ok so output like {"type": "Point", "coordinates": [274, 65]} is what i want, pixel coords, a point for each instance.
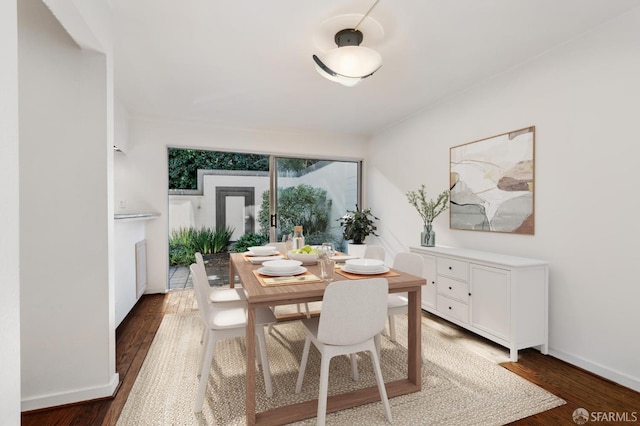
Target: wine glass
{"type": "Point", "coordinates": [328, 250]}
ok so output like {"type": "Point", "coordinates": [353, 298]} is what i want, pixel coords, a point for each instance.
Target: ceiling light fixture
{"type": "Point", "coordinates": [349, 63]}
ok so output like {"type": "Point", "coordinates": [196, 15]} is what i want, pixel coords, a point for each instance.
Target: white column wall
{"type": "Point", "coordinates": [147, 187]}
{"type": "Point", "coordinates": [583, 99]}
{"type": "Point", "coordinates": [67, 330]}
{"type": "Point", "coordinates": [9, 218]}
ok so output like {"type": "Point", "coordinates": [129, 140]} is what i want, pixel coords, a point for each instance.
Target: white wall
{"type": "Point", "coordinates": [147, 184]}
{"type": "Point", "coordinates": [583, 99]}
{"type": "Point", "coordinates": [9, 218]}
{"type": "Point", "coordinates": [67, 330]}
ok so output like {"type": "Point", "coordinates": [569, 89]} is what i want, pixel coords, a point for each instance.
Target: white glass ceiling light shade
{"type": "Point", "coordinates": [349, 63]}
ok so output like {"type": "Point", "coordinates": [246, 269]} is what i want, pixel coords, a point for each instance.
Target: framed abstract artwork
{"type": "Point", "coordinates": [492, 183]}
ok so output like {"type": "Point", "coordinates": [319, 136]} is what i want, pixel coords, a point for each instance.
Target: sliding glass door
{"type": "Point", "coordinates": [312, 193]}
{"type": "Point", "coordinates": [254, 198]}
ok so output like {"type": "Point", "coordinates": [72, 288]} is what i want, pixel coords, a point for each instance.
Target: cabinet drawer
{"type": "Point", "coordinates": [453, 308]}
{"type": "Point", "coordinates": [453, 268]}
{"type": "Point", "coordinates": [454, 289]}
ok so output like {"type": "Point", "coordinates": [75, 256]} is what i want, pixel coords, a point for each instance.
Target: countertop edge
{"type": "Point", "coordinates": [135, 216]}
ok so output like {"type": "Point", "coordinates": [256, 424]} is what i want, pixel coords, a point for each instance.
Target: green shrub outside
{"type": "Point", "coordinates": [185, 242]}
{"type": "Point", "coordinates": [249, 240]}
{"type": "Point", "coordinates": [299, 205]}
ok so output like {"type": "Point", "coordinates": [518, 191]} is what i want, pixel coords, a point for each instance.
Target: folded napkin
{"type": "Point", "coordinates": [305, 278]}
{"type": "Point", "coordinates": [257, 260]}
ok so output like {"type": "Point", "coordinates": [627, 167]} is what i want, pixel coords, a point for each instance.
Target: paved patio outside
{"type": "Point", "coordinates": [217, 272]}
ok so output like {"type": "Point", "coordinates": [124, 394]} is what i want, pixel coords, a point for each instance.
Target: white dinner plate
{"type": "Point", "coordinates": [301, 270]}
{"type": "Point", "coordinates": [382, 270]}
{"type": "Point", "coordinates": [257, 260]}
{"type": "Point", "coordinates": [250, 253]}
{"type": "Point", "coordinates": [365, 264]}
{"type": "Point", "coordinates": [342, 258]}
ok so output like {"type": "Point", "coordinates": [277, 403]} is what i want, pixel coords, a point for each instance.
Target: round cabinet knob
{"type": "Point", "coordinates": [450, 307]}
{"type": "Point", "coordinates": [433, 282]}
{"type": "Point", "coordinates": [450, 267]}
{"type": "Point", "coordinates": [449, 288]}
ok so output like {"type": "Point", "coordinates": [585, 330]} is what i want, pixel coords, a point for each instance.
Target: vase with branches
{"type": "Point", "coordinates": [428, 211]}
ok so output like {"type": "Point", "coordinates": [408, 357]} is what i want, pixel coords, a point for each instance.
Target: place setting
{"type": "Point", "coordinates": [259, 254]}
{"type": "Point", "coordinates": [284, 272]}
{"type": "Point", "coordinates": [363, 268]}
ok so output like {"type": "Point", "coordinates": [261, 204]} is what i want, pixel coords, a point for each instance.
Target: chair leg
{"type": "Point", "coordinates": [266, 371]}
{"type": "Point", "coordinates": [392, 328]}
{"type": "Point", "coordinates": [376, 340]}
{"type": "Point", "coordinates": [204, 371]}
{"type": "Point", "coordinates": [383, 392]}
{"type": "Point", "coordinates": [303, 364]}
{"type": "Point", "coordinates": [203, 350]}
{"type": "Point", "coordinates": [354, 367]}
{"type": "Point", "coordinates": [324, 388]}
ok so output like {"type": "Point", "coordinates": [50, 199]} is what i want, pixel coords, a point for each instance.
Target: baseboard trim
{"type": "Point", "coordinates": [71, 397]}
{"type": "Point", "coordinates": [598, 369]}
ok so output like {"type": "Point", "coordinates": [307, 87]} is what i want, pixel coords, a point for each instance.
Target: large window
{"type": "Point", "coordinates": [260, 194]}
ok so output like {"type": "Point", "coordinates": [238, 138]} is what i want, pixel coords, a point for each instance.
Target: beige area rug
{"type": "Point", "coordinates": [459, 387]}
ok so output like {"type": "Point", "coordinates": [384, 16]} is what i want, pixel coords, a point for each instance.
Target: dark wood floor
{"type": "Point", "coordinates": [579, 388]}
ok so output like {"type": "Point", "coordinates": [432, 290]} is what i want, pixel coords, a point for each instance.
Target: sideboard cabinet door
{"type": "Point", "coordinates": [429, 290]}
{"type": "Point", "coordinates": [490, 300]}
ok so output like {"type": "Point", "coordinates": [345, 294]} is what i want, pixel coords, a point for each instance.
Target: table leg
{"type": "Point", "coordinates": [250, 343]}
{"type": "Point", "coordinates": [415, 337]}
{"type": "Point", "coordinates": [232, 275]}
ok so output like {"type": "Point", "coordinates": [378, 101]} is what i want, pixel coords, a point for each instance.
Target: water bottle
{"type": "Point", "coordinates": [298, 238]}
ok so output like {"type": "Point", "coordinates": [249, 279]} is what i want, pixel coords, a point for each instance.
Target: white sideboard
{"type": "Point", "coordinates": [502, 298]}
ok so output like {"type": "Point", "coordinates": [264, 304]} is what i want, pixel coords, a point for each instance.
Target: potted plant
{"type": "Point", "coordinates": [428, 211]}
{"type": "Point", "coordinates": [357, 225]}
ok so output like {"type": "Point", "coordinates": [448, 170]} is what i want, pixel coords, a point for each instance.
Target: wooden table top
{"type": "Point", "coordinates": [258, 295]}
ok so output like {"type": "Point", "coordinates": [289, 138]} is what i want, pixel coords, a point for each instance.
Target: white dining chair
{"type": "Point", "coordinates": [226, 321]}
{"type": "Point", "coordinates": [227, 296]}
{"type": "Point", "coordinates": [398, 303]}
{"type": "Point", "coordinates": [346, 328]}
{"type": "Point", "coordinates": [374, 252]}
{"type": "Point", "coordinates": [220, 295]}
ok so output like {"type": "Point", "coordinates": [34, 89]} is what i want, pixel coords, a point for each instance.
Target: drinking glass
{"type": "Point", "coordinates": [288, 244]}
{"type": "Point", "coordinates": [328, 269]}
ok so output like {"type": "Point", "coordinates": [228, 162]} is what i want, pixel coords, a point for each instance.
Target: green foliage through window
{"type": "Point", "coordinates": [185, 242]}
{"type": "Point", "coordinates": [184, 164]}
{"type": "Point", "coordinates": [249, 240]}
{"type": "Point", "coordinates": [299, 205]}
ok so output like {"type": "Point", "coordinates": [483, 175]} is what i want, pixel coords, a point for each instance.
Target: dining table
{"type": "Point", "coordinates": [294, 291]}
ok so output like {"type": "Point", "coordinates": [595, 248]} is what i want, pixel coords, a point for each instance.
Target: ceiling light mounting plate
{"type": "Point", "coordinates": [348, 37]}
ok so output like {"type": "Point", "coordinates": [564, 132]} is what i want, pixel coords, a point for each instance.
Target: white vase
{"type": "Point", "coordinates": [356, 250]}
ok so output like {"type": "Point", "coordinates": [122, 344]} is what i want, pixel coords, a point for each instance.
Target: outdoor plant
{"type": "Point", "coordinates": [357, 225]}
{"type": "Point", "coordinates": [428, 210]}
{"type": "Point", "coordinates": [249, 240]}
{"type": "Point", "coordinates": [185, 242]}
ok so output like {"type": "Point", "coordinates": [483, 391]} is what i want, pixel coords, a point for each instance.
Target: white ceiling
{"type": "Point", "coordinates": [247, 63]}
